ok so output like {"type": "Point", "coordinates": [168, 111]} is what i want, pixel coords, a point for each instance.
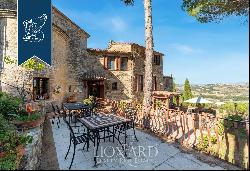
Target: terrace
{"type": "Point", "coordinates": [169, 139]}
{"type": "Point", "coordinates": [162, 155]}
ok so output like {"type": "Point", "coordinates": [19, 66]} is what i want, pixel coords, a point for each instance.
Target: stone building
{"type": "Point", "coordinates": [124, 67]}
{"type": "Point", "coordinates": [76, 71]}
{"type": "Point", "coordinates": [168, 83]}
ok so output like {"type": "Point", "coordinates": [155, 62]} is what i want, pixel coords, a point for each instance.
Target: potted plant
{"type": "Point", "coordinates": [29, 119]}
{"type": "Point", "coordinates": [89, 101]}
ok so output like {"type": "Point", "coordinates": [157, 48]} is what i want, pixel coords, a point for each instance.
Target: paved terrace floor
{"type": "Point", "coordinates": [148, 153]}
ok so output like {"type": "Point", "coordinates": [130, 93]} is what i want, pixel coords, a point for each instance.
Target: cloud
{"type": "Point", "coordinates": [98, 21]}
{"type": "Point", "coordinates": [118, 23]}
{"type": "Point", "coordinates": [184, 49]}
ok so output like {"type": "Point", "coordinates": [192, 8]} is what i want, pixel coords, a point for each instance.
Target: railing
{"type": "Point", "coordinates": [223, 138]}
{"type": "Point", "coordinates": [226, 139]}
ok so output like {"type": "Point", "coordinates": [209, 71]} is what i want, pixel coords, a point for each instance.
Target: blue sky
{"type": "Point", "coordinates": [203, 53]}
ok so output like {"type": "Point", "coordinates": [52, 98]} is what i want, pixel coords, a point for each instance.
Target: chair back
{"type": "Point", "coordinates": [86, 112]}
{"type": "Point", "coordinates": [53, 108]}
{"type": "Point", "coordinates": [58, 109]}
{"type": "Point", "coordinates": [72, 134]}
{"type": "Point", "coordinates": [130, 113]}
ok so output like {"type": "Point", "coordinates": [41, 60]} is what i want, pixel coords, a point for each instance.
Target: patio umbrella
{"type": "Point", "coordinates": [198, 100]}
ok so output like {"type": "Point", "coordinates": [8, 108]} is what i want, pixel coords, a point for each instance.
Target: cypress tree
{"type": "Point", "coordinates": [187, 94]}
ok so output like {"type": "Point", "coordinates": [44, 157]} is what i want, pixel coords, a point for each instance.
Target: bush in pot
{"type": "Point", "coordinates": [28, 120]}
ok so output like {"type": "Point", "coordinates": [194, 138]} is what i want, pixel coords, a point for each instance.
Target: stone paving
{"type": "Point", "coordinates": [149, 153]}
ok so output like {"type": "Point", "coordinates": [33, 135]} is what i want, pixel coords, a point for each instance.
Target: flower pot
{"type": "Point", "coordinates": [29, 124]}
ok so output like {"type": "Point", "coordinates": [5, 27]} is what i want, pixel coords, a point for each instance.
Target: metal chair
{"type": "Point", "coordinates": [130, 113]}
{"type": "Point", "coordinates": [76, 139]}
{"type": "Point", "coordinates": [56, 114]}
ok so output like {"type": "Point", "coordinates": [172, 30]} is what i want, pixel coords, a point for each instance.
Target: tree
{"type": "Point", "coordinates": [187, 94]}
{"type": "Point", "coordinates": [216, 10]}
{"type": "Point", "coordinates": [148, 86]}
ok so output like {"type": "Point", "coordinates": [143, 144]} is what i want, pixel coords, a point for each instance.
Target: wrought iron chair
{"type": "Point", "coordinates": [130, 113]}
{"type": "Point", "coordinates": [86, 112]}
{"type": "Point", "coordinates": [56, 114]}
{"type": "Point", "coordinates": [76, 139]}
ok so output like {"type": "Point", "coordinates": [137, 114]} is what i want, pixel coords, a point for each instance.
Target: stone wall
{"type": "Point", "coordinates": [31, 159]}
{"type": "Point", "coordinates": [59, 75]}
{"type": "Point", "coordinates": [124, 86]}
{"type": "Point", "coordinates": [8, 4]}
{"type": "Point", "coordinates": [138, 66]}
{"type": "Point", "coordinates": [122, 47]}
{"type": "Point", "coordinates": [69, 58]}
{"type": "Point", "coordinates": [122, 78]}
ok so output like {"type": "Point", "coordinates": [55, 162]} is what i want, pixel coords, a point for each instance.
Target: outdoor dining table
{"type": "Point", "coordinates": [99, 122]}
{"type": "Point", "coordinates": [75, 107]}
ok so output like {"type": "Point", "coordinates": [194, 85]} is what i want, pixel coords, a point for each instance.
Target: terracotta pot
{"type": "Point", "coordinates": [30, 124]}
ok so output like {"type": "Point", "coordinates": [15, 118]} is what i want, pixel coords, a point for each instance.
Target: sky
{"type": "Point", "coordinates": [203, 53]}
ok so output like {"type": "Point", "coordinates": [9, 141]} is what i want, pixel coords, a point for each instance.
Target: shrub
{"type": "Point", "coordinates": [122, 105]}
{"type": "Point", "coordinates": [8, 162]}
{"type": "Point", "coordinates": [228, 124]}
{"type": "Point", "coordinates": [8, 105]}
{"type": "Point", "coordinates": [9, 140]}
{"type": "Point", "coordinates": [29, 117]}
{"type": "Point", "coordinates": [241, 108]}
{"type": "Point", "coordinates": [203, 146]}
{"type": "Point", "coordinates": [158, 103]}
